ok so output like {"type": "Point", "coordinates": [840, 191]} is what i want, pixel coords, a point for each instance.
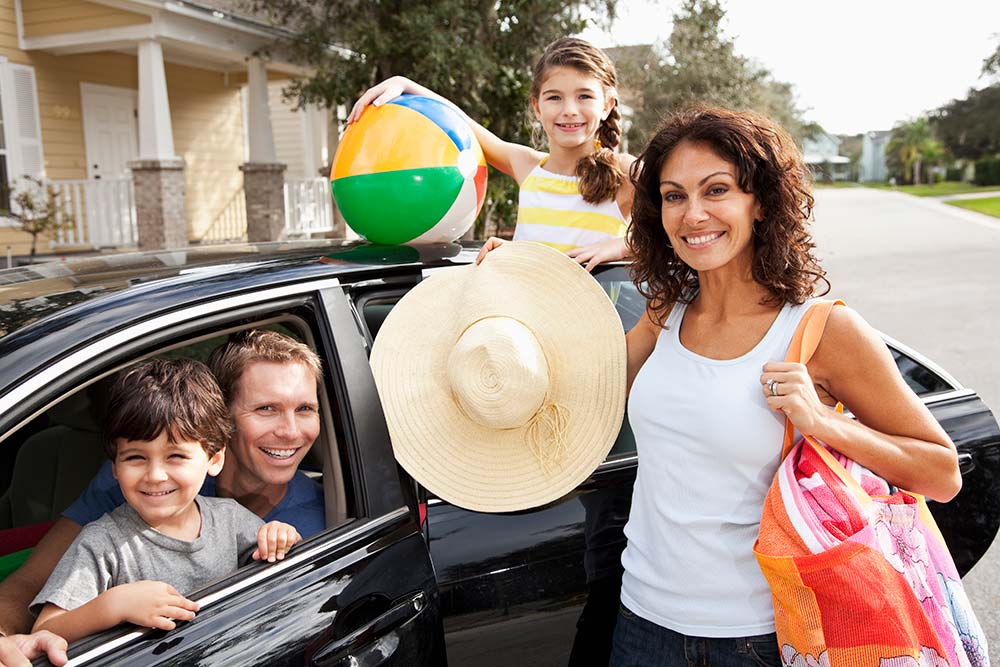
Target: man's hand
{"type": "Point", "coordinates": [19, 650]}
{"type": "Point", "coordinates": [274, 539]}
{"type": "Point", "coordinates": [150, 604]}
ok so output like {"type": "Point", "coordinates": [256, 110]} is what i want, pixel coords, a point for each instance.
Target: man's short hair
{"type": "Point", "coordinates": [176, 396]}
{"type": "Point", "coordinates": [229, 361]}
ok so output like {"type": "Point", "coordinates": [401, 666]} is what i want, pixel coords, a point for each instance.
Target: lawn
{"type": "Point", "coordinates": [936, 190]}
{"type": "Point", "coordinates": [987, 205]}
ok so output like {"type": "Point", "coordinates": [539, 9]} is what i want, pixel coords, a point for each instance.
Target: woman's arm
{"type": "Point", "coordinates": [895, 435]}
{"type": "Point", "coordinates": [639, 343]}
{"type": "Point", "coordinates": [510, 158]}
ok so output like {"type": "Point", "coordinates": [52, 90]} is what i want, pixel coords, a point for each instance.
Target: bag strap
{"type": "Point", "coordinates": [805, 340]}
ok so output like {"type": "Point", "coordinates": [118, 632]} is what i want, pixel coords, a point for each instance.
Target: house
{"type": "Point", "coordinates": [872, 167]}
{"type": "Point", "coordinates": [158, 123]}
{"type": "Point", "coordinates": [821, 153]}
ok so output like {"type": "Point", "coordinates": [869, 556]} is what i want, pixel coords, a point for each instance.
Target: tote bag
{"type": "Point", "coordinates": [859, 573]}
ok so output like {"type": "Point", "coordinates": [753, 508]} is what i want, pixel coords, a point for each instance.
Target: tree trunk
{"type": "Point", "coordinates": [916, 172]}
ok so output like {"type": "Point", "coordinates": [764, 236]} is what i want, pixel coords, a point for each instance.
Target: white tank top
{"type": "Point", "coordinates": [708, 449]}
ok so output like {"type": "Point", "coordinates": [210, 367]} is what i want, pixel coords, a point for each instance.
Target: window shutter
{"type": "Point", "coordinates": [29, 131]}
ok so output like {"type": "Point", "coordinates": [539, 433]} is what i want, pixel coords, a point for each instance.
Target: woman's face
{"type": "Point", "coordinates": [707, 217]}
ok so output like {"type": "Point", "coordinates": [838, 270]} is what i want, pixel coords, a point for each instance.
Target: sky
{"type": "Point", "coordinates": [856, 65]}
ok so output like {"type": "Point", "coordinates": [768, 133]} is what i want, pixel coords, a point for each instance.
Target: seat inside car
{"type": "Point", "coordinates": [55, 465]}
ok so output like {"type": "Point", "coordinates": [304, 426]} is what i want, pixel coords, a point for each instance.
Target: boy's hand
{"type": "Point", "coordinates": [150, 604]}
{"type": "Point", "coordinates": [274, 539]}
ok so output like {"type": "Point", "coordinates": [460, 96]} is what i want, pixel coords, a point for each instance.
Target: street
{"type": "Point", "coordinates": [928, 275]}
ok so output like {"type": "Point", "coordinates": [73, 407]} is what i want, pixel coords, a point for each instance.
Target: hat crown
{"type": "Point", "coordinates": [498, 373]}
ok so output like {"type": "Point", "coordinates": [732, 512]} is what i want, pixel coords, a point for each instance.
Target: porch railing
{"type": "Point", "coordinates": [231, 222]}
{"type": "Point", "coordinates": [308, 206]}
{"type": "Point", "coordinates": [102, 212]}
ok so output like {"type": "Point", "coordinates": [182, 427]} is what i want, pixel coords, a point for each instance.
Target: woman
{"type": "Point", "coordinates": [723, 257]}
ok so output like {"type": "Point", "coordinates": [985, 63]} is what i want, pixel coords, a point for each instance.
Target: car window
{"type": "Point", "coordinates": [48, 462]}
{"type": "Point", "coordinates": [918, 377]}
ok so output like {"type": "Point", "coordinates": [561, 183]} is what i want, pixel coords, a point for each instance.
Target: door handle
{"type": "Point", "coordinates": [966, 463]}
{"type": "Point", "coordinates": [338, 651]}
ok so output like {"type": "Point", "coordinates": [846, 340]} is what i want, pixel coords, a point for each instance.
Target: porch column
{"type": "Point", "coordinates": [263, 175]}
{"type": "Point", "coordinates": [158, 174]}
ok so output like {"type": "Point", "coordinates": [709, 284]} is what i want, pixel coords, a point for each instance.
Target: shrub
{"type": "Point", "coordinates": [988, 171]}
{"type": "Point", "coordinates": [953, 174]}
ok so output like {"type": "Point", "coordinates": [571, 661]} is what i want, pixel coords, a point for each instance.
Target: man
{"type": "Point", "coordinates": [18, 650]}
{"type": "Point", "coordinates": [270, 384]}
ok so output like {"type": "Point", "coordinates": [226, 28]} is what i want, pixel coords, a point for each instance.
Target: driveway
{"type": "Point", "coordinates": [927, 274]}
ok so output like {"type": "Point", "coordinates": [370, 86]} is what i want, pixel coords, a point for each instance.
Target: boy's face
{"type": "Point", "coordinates": [160, 479]}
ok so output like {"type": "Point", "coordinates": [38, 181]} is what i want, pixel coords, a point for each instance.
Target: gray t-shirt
{"type": "Point", "coordinates": [121, 548]}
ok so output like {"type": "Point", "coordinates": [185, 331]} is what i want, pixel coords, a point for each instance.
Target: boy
{"type": "Point", "coordinates": [166, 429]}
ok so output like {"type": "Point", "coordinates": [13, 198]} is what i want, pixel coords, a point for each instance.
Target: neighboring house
{"type": "Point", "coordinates": [150, 116]}
{"type": "Point", "coordinates": [872, 167]}
{"type": "Point", "coordinates": [821, 153]}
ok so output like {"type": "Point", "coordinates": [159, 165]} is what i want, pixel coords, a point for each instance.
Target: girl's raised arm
{"type": "Point", "coordinates": [512, 159]}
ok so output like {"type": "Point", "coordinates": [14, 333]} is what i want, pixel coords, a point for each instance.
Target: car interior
{"type": "Point", "coordinates": [48, 462]}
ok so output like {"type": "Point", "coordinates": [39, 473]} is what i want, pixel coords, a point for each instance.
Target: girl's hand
{"type": "Point", "coordinates": [795, 395]}
{"type": "Point", "coordinates": [381, 93]}
{"type": "Point", "coordinates": [274, 539]}
{"type": "Point", "coordinates": [149, 604]}
{"type": "Point", "coordinates": [611, 250]}
{"type": "Point", "coordinates": [492, 243]}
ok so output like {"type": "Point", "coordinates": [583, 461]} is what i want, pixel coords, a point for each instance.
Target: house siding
{"type": "Point", "coordinates": [208, 133]}
{"type": "Point", "coordinates": [52, 17]}
{"type": "Point", "coordinates": [205, 112]}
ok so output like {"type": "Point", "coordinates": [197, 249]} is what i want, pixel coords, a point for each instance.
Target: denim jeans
{"type": "Point", "coordinates": [641, 643]}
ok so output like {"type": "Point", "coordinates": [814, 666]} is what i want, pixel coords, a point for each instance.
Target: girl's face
{"type": "Point", "coordinates": [707, 217]}
{"type": "Point", "coordinates": [571, 106]}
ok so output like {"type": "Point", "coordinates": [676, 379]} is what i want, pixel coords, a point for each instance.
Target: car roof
{"type": "Point", "coordinates": [78, 297]}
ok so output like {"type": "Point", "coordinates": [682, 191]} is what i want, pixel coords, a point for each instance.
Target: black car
{"type": "Point", "coordinates": [398, 577]}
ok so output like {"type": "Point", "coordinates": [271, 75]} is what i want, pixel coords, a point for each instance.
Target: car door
{"type": "Point", "coordinates": [362, 592]}
{"type": "Point", "coordinates": [539, 587]}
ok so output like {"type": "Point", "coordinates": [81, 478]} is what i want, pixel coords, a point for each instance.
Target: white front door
{"type": "Point", "coordinates": [110, 129]}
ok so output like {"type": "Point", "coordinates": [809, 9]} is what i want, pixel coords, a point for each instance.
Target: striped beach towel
{"type": "Point", "coordinates": [860, 575]}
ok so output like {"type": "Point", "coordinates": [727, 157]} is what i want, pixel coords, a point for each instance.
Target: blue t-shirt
{"type": "Point", "coordinates": [301, 507]}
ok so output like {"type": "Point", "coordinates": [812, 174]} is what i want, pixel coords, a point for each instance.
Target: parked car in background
{"type": "Point", "coordinates": [398, 577]}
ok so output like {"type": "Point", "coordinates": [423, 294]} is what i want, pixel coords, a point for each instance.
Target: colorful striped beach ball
{"type": "Point", "coordinates": [409, 171]}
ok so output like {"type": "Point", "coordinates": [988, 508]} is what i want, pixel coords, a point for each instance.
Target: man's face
{"type": "Point", "coordinates": [276, 413]}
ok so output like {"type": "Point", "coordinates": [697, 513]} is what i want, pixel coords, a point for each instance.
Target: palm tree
{"type": "Point", "coordinates": [912, 146]}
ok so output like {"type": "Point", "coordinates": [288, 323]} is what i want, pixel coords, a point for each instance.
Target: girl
{"type": "Point", "coordinates": [577, 198]}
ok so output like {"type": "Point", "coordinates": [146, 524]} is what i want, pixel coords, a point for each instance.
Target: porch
{"type": "Point", "coordinates": [101, 213]}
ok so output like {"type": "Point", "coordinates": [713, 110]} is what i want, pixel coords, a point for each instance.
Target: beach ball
{"type": "Point", "coordinates": [409, 171]}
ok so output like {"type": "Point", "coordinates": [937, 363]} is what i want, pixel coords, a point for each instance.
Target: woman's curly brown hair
{"type": "Point", "coordinates": [768, 165]}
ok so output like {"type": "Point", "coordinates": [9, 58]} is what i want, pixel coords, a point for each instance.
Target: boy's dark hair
{"type": "Point", "coordinates": [176, 396]}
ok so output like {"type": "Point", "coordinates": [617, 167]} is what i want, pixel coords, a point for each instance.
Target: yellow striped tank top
{"type": "Point", "coordinates": [552, 211]}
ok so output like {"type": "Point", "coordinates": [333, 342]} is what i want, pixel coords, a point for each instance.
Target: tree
{"type": "Point", "coordinates": [698, 63]}
{"type": "Point", "coordinates": [970, 127]}
{"type": "Point", "coordinates": [36, 210]}
{"type": "Point", "coordinates": [477, 54]}
{"type": "Point", "coordinates": [912, 147]}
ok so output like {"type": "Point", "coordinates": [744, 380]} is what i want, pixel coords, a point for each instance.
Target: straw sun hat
{"type": "Point", "coordinates": [503, 384]}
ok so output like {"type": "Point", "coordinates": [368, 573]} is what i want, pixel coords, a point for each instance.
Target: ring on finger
{"type": "Point", "coordinates": [772, 386]}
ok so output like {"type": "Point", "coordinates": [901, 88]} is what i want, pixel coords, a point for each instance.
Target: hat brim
{"type": "Point", "coordinates": [580, 333]}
